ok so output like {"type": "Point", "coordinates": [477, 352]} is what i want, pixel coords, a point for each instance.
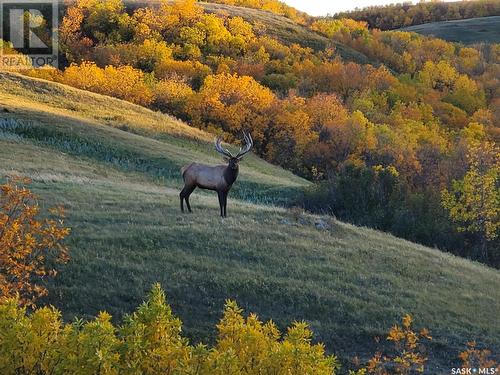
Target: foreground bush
{"type": "Point", "coordinates": [149, 341]}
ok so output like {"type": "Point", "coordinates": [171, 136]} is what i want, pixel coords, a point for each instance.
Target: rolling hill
{"type": "Point", "coordinates": [115, 167]}
{"type": "Point", "coordinates": [469, 31]}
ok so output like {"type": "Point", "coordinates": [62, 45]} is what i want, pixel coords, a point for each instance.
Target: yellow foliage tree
{"type": "Point", "coordinates": [439, 76]}
{"type": "Point", "coordinates": [290, 132]}
{"type": "Point", "coordinates": [233, 103]}
{"type": "Point", "coordinates": [172, 96]}
{"type": "Point", "coordinates": [249, 346]}
{"type": "Point", "coordinates": [326, 110]}
{"type": "Point", "coordinates": [474, 201]}
{"type": "Point", "coordinates": [193, 72]}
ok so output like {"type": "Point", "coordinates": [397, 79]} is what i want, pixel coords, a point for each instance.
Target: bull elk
{"type": "Point", "coordinates": [219, 178]}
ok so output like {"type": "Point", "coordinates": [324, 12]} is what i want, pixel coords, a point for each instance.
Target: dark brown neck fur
{"type": "Point", "coordinates": [230, 175]}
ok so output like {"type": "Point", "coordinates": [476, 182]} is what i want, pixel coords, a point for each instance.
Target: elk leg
{"type": "Point", "coordinates": [184, 195]}
{"type": "Point", "coordinates": [181, 196]}
{"type": "Point", "coordinates": [188, 193]}
{"type": "Point", "coordinates": [225, 204]}
{"type": "Point", "coordinates": [220, 194]}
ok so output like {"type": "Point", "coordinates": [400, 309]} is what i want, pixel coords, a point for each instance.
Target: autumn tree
{"type": "Point", "coordinates": [104, 21]}
{"type": "Point", "coordinates": [232, 104]}
{"type": "Point", "coordinates": [326, 110]}
{"type": "Point", "coordinates": [351, 139]}
{"type": "Point", "coordinates": [90, 22]}
{"type": "Point", "coordinates": [29, 244]}
{"type": "Point", "coordinates": [173, 96]}
{"type": "Point", "coordinates": [474, 201]}
{"type": "Point", "coordinates": [75, 46]}
{"type": "Point", "coordinates": [440, 76]}
{"type": "Point", "coordinates": [290, 133]}
{"type": "Point", "coordinates": [466, 95]}
{"type": "Point", "coordinates": [327, 113]}
{"type": "Point", "coordinates": [193, 72]}
{"type": "Point", "coordinates": [152, 339]}
{"type": "Point", "coordinates": [335, 77]}
{"type": "Point", "coordinates": [145, 56]}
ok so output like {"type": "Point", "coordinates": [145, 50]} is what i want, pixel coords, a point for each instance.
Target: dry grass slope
{"type": "Point", "coordinates": [469, 31]}
{"type": "Point", "coordinates": [114, 166]}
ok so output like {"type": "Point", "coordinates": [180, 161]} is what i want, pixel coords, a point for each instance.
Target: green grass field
{"type": "Point", "coordinates": [115, 166]}
{"type": "Point", "coordinates": [469, 31]}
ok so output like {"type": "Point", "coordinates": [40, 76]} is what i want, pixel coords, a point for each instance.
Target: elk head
{"type": "Point", "coordinates": [228, 157]}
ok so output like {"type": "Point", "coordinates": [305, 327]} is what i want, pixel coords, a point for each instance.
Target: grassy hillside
{"type": "Point", "coordinates": [474, 30]}
{"type": "Point", "coordinates": [115, 165]}
{"type": "Point", "coordinates": [128, 137]}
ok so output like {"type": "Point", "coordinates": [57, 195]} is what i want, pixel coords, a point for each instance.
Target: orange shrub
{"type": "Point", "coordinates": [47, 73]}
{"type": "Point", "coordinates": [27, 242]}
{"type": "Point", "coordinates": [409, 357]}
{"type": "Point", "coordinates": [473, 357]}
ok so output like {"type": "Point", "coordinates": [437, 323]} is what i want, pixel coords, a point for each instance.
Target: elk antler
{"type": "Point", "coordinates": [220, 149]}
{"type": "Point", "coordinates": [248, 146]}
{"type": "Point", "coordinates": [243, 150]}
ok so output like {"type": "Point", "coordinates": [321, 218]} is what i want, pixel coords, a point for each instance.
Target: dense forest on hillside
{"type": "Point", "coordinates": [394, 16]}
{"type": "Point", "coordinates": [405, 144]}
